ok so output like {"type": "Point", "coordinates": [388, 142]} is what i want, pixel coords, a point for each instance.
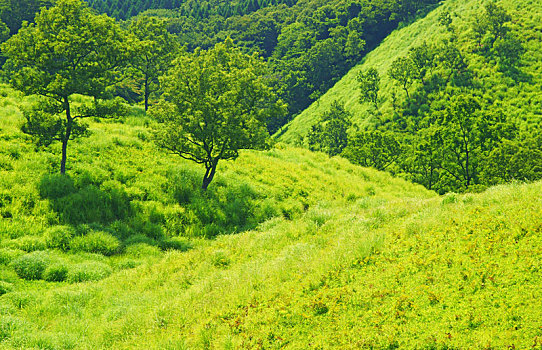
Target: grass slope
{"type": "Point", "coordinates": [348, 258]}
{"type": "Point", "coordinates": [522, 100]}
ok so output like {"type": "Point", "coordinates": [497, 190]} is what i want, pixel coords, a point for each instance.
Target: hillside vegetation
{"type": "Point", "coordinates": [335, 256]}
{"type": "Point", "coordinates": [451, 102]}
{"type": "Point", "coordinates": [115, 242]}
{"type": "Point", "coordinates": [521, 99]}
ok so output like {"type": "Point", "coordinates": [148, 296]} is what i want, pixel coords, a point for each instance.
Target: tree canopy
{"type": "Point", "coordinates": [69, 50]}
{"type": "Point", "coordinates": [216, 102]}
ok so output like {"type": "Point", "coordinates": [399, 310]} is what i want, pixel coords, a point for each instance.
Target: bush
{"type": "Point", "coordinates": [7, 255]}
{"type": "Point", "coordinates": [28, 243]}
{"type": "Point", "coordinates": [5, 287]}
{"type": "Point", "coordinates": [59, 237]}
{"type": "Point", "coordinates": [88, 271]}
{"type": "Point", "coordinates": [98, 242]}
{"type": "Point", "coordinates": [55, 273]}
{"type": "Point", "coordinates": [31, 266]}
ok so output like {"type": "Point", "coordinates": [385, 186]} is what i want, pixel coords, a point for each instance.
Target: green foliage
{"type": "Point", "coordinates": [96, 242]}
{"type": "Point", "coordinates": [69, 50]}
{"type": "Point", "coordinates": [216, 103]}
{"type": "Point", "coordinates": [89, 271]}
{"type": "Point", "coordinates": [330, 135]}
{"type": "Point", "coordinates": [31, 266]}
{"type": "Point", "coordinates": [56, 272]}
{"type": "Point", "coordinates": [369, 85]}
{"type": "Point", "coordinates": [154, 52]}
{"type": "Point", "coordinates": [373, 149]}
{"type": "Point", "coordinates": [27, 243]}
{"type": "Point", "coordinates": [59, 237]}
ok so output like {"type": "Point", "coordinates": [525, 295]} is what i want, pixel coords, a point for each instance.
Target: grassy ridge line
{"type": "Point", "coordinates": [459, 272]}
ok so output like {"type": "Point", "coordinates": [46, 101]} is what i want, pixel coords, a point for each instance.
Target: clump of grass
{"type": "Point", "coordinates": [56, 272]}
{"type": "Point", "coordinates": [88, 271]}
{"type": "Point", "coordinates": [98, 242]}
{"type": "Point", "coordinates": [28, 243]}
{"type": "Point", "coordinates": [32, 265]}
{"type": "Point", "coordinates": [59, 237]}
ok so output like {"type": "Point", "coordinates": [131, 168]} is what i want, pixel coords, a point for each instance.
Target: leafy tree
{"type": "Point", "coordinates": [373, 149]}
{"type": "Point", "coordinates": [369, 81]}
{"type": "Point", "coordinates": [216, 103]}
{"type": "Point", "coordinates": [69, 50]}
{"type": "Point", "coordinates": [154, 52]}
{"type": "Point", "coordinates": [331, 134]}
{"type": "Point", "coordinates": [403, 71]}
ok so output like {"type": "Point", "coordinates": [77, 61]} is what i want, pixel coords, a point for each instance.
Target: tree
{"type": "Point", "coordinates": [369, 82]}
{"type": "Point", "coordinates": [330, 135]}
{"type": "Point", "coordinates": [216, 103]}
{"type": "Point", "coordinates": [402, 70]}
{"type": "Point", "coordinates": [373, 149]}
{"type": "Point", "coordinates": [154, 52]}
{"type": "Point", "coordinates": [68, 51]}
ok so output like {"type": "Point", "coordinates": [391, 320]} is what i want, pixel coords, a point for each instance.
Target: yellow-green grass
{"type": "Point", "coordinates": [521, 100]}
{"type": "Point", "coordinates": [461, 271]}
{"type": "Point", "coordinates": [353, 258]}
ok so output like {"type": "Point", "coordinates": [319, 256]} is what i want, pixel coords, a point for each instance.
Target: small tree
{"type": "Point", "coordinates": [216, 103]}
{"type": "Point", "coordinates": [330, 135]}
{"type": "Point", "coordinates": [69, 50]}
{"type": "Point", "coordinates": [403, 71]}
{"type": "Point", "coordinates": [373, 149]}
{"type": "Point", "coordinates": [369, 83]}
{"type": "Point", "coordinates": [155, 50]}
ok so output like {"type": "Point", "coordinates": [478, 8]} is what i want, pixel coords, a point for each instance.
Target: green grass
{"type": "Point", "coordinates": [288, 249]}
{"type": "Point", "coordinates": [521, 101]}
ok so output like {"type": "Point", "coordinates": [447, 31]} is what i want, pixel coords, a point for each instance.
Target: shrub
{"type": "Point", "coordinates": [55, 273]}
{"type": "Point", "coordinates": [7, 255]}
{"type": "Point", "coordinates": [31, 266]}
{"type": "Point", "coordinates": [28, 243]}
{"type": "Point", "coordinates": [59, 237]}
{"type": "Point", "coordinates": [96, 242]}
{"type": "Point", "coordinates": [88, 271]}
{"type": "Point", "coordinates": [5, 287]}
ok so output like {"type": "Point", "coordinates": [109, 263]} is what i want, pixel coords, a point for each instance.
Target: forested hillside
{"type": "Point", "coordinates": [308, 44]}
{"type": "Point", "coordinates": [451, 102]}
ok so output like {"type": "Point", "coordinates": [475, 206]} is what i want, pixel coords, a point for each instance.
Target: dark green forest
{"type": "Point", "coordinates": [308, 44]}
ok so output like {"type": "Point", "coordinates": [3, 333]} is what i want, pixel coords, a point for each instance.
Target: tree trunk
{"type": "Point", "coordinates": [209, 174]}
{"type": "Point", "coordinates": [146, 92]}
{"type": "Point", "coordinates": [66, 137]}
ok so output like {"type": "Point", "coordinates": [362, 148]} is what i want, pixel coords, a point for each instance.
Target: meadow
{"type": "Point", "coordinates": [311, 252]}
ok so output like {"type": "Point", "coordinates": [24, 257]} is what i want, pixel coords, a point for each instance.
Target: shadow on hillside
{"type": "Point", "coordinates": [226, 207]}
{"type": "Point", "coordinates": [89, 206]}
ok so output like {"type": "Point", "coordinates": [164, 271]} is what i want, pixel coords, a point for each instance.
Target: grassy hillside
{"type": "Point", "coordinates": [331, 255]}
{"type": "Point", "coordinates": [521, 101]}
